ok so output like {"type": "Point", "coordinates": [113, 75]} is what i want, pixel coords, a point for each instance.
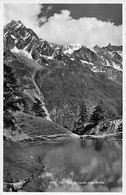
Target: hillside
{"type": "Point", "coordinates": [64, 77]}
{"type": "Point", "coordinates": [34, 128]}
{"type": "Point", "coordinates": [65, 88]}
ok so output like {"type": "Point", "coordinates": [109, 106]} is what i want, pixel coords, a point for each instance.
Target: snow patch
{"type": "Point", "coordinates": [19, 24]}
{"type": "Point", "coordinates": [84, 61]}
{"type": "Point", "coordinates": [27, 35]}
{"type": "Point", "coordinates": [107, 63]}
{"type": "Point", "coordinates": [13, 36]}
{"type": "Point", "coordinates": [71, 48]}
{"type": "Point", "coordinates": [93, 50]}
{"type": "Point", "coordinates": [112, 54]}
{"type": "Point", "coordinates": [5, 33]}
{"type": "Point", "coordinates": [91, 63]}
{"type": "Point", "coordinates": [47, 57]}
{"type": "Point", "coordinates": [50, 57]}
{"type": "Point", "coordinates": [116, 66]}
{"type": "Point", "coordinates": [22, 51]}
{"type": "Point", "coordinates": [95, 69]}
{"type": "Point", "coordinates": [120, 53]}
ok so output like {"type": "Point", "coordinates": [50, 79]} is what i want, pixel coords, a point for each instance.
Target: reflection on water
{"type": "Point", "coordinates": [97, 143]}
{"type": "Point", "coordinates": [83, 165]}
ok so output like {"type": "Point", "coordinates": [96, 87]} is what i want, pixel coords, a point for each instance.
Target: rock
{"type": "Point", "coordinates": [15, 187]}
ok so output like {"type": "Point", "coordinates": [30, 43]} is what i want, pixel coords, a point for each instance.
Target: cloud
{"type": "Point", "coordinates": [63, 29]}
{"type": "Point", "coordinates": [26, 13]}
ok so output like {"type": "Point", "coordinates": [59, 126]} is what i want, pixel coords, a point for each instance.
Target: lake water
{"type": "Point", "coordinates": [80, 165]}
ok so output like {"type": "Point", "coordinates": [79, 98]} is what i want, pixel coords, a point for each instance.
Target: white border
{"type": "Point", "coordinates": [63, 1]}
{"type": "Point", "coordinates": [124, 82]}
{"type": "Point", "coordinates": [1, 97]}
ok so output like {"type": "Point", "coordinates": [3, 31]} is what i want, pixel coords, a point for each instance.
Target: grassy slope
{"type": "Point", "coordinates": [36, 126]}
{"type": "Point", "coordinates": [24, 69]}
{"type": "Point", "coordinates": [65, 87]}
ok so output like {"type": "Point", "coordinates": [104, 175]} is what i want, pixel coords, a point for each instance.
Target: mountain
{"type": "Point", "coordinates": [62, 77]}
{"type": "Point", "coordinates": [19, 38]}
{"type": "Point", "coordinates": [62, 114]}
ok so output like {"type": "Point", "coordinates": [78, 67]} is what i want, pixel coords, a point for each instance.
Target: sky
{"type": "Point", "coordinates": [88, 24]}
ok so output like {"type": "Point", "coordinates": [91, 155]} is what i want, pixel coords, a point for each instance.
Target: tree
{"type": "Point", "coordinates": [79, 125]}
{"type": "Point", "coordinates": [37, 108]}
{"type": "Point", "coordinates": [97, 115]}
{"type": "Point", "coordinates": [12, 97]}
{"type": "Point", "coordinates": [83, 113]}
{"type": "Point", "coordinates": [25, 104]}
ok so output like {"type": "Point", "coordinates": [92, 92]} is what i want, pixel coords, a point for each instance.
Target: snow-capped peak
{"type": "Point", "coordinates": [69, 49]}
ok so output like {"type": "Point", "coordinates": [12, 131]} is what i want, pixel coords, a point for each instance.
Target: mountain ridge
{"type": "Point", "coordinates": [30, 42]}
{"type": "Point", "coordinates": [67, 75]}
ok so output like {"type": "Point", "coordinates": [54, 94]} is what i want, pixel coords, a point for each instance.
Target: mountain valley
{"type": "Point", "coordinates": [62, 114]}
